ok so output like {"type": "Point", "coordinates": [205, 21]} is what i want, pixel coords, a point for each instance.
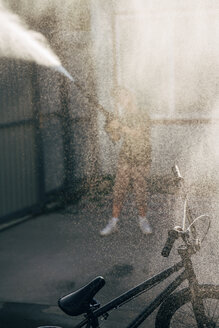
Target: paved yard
{"type": "Point", "coordinates": [51, 255]}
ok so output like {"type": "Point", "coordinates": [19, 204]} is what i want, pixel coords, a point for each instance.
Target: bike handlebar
{"type": "Point", "coordinates": [179, 231]}
{"type": "Point", "coordinates": [172, 236]}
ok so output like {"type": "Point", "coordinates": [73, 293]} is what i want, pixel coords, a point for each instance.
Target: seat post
{"type": "Point", "coordinates": [93, 321]}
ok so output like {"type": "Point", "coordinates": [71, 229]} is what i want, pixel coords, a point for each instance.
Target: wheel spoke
{"type": "Point", "coordinates": [184, 317]}
{"type": "Point", "coordinates": [215, 312]}
{"type": "Point", "coordinates": [207, 307]}
{"type": "Point", "coordinates": [187, 314]}
{"type": "Point", "coordinates": [183, 314]}
{"type": "Point", "coordinates": [183, 324]}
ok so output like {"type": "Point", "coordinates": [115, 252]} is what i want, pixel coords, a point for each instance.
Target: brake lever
{"type": "Point", "coordinates": [197, 244]}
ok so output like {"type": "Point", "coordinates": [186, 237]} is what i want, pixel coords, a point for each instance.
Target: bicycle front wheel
{"type": "Point", "coordinates": [177, 310]}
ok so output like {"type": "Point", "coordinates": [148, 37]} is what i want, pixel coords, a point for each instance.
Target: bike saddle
{"type": "Point", "coordinates": [79, 302]}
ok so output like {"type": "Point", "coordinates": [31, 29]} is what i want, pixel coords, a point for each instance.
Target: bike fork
{"type": "Point", "coordinates": [197, 303]}
{"type": "Point", "coordinates": [198, 309]}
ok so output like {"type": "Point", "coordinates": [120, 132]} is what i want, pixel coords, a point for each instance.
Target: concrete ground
{"type": "Point", "coordinates": [51, 255]}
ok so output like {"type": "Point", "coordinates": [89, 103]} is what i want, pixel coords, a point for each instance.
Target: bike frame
{"type": "Point", "coordinates": [185, 253]}
{"type": "Point", "coordinates": [188, 273]}
{"type": "Point", "coordinates": [92, 318]}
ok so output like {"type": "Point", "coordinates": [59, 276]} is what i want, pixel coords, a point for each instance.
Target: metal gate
{"type": "Point", "coordinates": [33, 147]}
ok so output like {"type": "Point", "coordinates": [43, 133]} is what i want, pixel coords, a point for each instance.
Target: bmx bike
{"type": "Point", "coordinates": [194, 306]}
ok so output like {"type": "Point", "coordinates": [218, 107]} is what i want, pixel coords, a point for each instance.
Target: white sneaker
{"type": "Point", "coordinates": [145, 225]}
{"type": "Point", "coordinates": [110, 227]}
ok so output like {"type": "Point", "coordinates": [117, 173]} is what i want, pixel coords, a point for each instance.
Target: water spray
{"type": "Point", "coordinates": [63, 71]}
{"type": "Point", "coordinates": [19, 42]}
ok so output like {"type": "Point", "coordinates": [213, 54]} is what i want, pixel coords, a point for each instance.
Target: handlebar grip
{"type": "Point", "coordinates": [172, 236]}
{"type": "Point", "coordinates": [176, 172]}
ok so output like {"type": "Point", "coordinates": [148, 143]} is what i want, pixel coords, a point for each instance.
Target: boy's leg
{"type": "Point", "coordinates": [120, 188]}
{"type": "Point", "coordinates": [139, 174]}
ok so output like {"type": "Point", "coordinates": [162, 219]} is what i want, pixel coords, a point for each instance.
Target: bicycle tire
{"type": "Point", "coordinates": [171, 309]}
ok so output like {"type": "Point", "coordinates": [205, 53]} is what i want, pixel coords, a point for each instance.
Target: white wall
{"type": "Point", "coordinates": [170, 59]}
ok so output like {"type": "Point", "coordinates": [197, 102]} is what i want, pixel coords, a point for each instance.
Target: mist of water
{"type": "Point", "coordinates": [19, 42]}
{"type": "Point", "coordinates": [168, 53]}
